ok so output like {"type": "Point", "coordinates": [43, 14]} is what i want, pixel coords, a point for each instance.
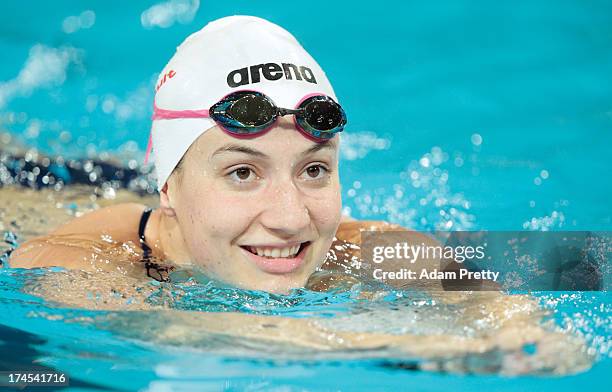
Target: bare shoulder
{"type": "Point", "coordinates": [350, 231]}
{"type": "Point", "coordinates": [119, 222]}
{"type": "Point", "coordinates": [346, 249]}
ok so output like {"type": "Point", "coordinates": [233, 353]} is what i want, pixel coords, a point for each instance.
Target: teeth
{"type": "Point", "coordinates": [276, 252]}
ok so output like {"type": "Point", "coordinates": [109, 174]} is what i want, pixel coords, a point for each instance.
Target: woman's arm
{"type": "Point", "coordinates": [350, 232]}
{"type": "Point", "coordinates": [72, 245]}
{"type": "Point", "coordinates": [500, 351]}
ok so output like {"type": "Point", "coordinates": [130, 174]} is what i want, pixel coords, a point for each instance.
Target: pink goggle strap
{"type": "Point", "coordinates": [164, 114]}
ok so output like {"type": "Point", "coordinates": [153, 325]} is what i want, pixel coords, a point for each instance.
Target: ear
{"type": "Point", "coordinates": [165, 202]}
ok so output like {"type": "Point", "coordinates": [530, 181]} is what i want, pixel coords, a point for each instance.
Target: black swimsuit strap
{"type": "Point", "coordinates": [146, 214]}
{"type": "Point", "coordinates": [146, 251]}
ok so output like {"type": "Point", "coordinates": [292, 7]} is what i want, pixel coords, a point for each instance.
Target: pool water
{"type": "Point", "coordinates": [147, 350]}
{"type": "Point", "coordinates": [463, 115]}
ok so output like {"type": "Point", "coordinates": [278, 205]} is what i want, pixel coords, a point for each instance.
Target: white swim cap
{"type": "Point", "coordinates": [229, 54]}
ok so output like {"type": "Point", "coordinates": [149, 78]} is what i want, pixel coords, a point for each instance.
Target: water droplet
{"type": "Point", "coordinates": [476, 139]}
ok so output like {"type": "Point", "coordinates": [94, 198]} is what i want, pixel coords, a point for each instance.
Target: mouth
{"type": "Point", "coordinates": [277, 260]}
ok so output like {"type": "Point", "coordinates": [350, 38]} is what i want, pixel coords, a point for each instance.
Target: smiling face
{"type": "Point", "coordinates": [258, 213]}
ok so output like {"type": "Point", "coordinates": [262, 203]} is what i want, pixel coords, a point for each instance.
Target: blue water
{"type": "Point", "coordinates": [112, 349]}
{"type": "Point", "coordinates": [495, 116]}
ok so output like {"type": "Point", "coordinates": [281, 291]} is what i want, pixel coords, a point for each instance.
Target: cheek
{"type": "Point", "coordinates": [326, 211]}
{"type": "Point", "coordinates": [211, 216]}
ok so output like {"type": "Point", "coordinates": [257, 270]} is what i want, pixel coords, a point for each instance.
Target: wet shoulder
{"type": "Point", "coordinates": [120, 222]}
{"type": "Point", "coordinates": [351, 231]}
{"type": "Point", "coordinates": [343, 265]}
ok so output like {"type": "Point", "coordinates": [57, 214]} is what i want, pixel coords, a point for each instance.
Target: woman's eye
{"type": "Point", "coordinates": [315, 172]}
{"type": "Point", "coordinates": [242, 174]}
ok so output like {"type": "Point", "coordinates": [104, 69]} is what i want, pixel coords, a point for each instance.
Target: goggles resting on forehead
{"type": "Point", "coordinates": [250, 113]}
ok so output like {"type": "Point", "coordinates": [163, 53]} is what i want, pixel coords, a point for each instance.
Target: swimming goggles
{"type": "Point", "coordinates": [249, 113]}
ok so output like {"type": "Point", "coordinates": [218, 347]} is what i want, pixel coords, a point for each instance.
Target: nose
{"type": "Point", "coordinates": [287, 213]}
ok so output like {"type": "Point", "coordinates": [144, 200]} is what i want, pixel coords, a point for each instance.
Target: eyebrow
{"type": "Point", "coordinates": [240, 149]}
{"type": "Point", "coordinates": [328, 144]}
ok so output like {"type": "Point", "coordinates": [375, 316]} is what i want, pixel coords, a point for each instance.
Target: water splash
{"type": "Point", "coordinates": [12, 242]}
{"type": "Point", "coordinates": [45, 67]}
{"type": "Point", "coordinates": [555, 220]}
{"type": "Point", "coordinates": [74, 23]}
{"type": "Point", "coordinates": [357, 145]}
{"type": "Point", "coordinates": [33, 169]}
{"type": "Point", "coordinates": [166, 14]}
{"type": "Point", "coordinates": [423, 198]}
{"type": "Point", "coordinates": [587, 314]}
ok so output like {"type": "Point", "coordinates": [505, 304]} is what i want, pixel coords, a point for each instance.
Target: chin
{"type": "Point", "coordinates": [273, 283]}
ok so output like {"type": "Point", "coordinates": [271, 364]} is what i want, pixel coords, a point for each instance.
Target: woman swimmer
{"type": "Point", "coordinates": [246, 132]}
